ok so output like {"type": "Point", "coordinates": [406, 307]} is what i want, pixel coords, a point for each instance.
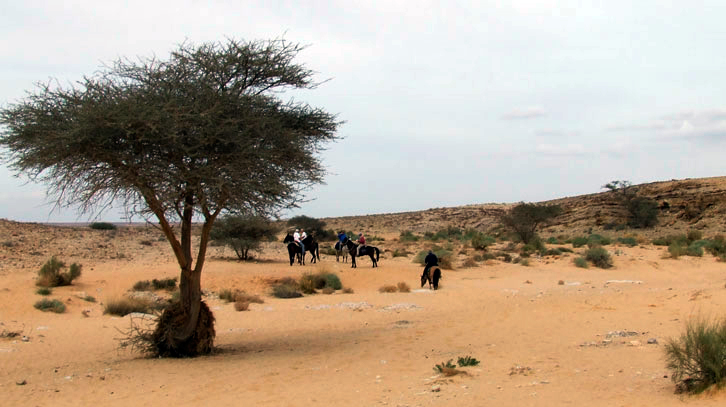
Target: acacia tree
{"type": "Point", "coordinates": [243, 233]}
{"type": "Point", "coordinates": [184, 139]}
{"type": "Point", "coordinates": [524, 219]}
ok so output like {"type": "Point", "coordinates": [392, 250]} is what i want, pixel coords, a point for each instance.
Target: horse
{"type": "Point", "coordinates": [369, 250]}
{"type": "Point", "coordinates": [293, 249]}
{"type": "Point", "coordinates": [432, 280]}
{"type": "Point", "coordinates": [341, 251]}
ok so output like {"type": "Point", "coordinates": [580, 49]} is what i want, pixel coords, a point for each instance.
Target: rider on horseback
{"type": "Point", "coordinates": [431, 261]}
{"type": "Point", "coordinates": [296, 236]}
{"type": "Point", "coordinates": [341, 240]}
{"type": "Point", "coordinates": [362, 243]}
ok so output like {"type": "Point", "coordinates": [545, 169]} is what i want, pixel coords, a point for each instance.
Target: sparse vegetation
{"type": "Point", "coordinates": [125, 305]}
{"type": "Point", "coordinates": [47, 305]}
{"type": "Point", "coordinates": [388, 289]}
{"type": "Point", "coordinates": [445, 256]}
{"type": "Point", "coordinates": [241, 305]}
{"type": "Point", "coordinates": [168, 284]}
{"type": "Point", "coordinates": [44, 291]}
{"type": "Point", "coordinates": [286, 288]}
{"type": "Point", "coordinates": [697, 358]}
{"type": "Point", "coordinates": [102, 226]}
{"type": "Point", "coordinates": [403, 287]}
{"type": "Point", "coordinates": [581, 262]}
{"type": "Point", "coordinates": [524, 219]}
{"type": "Point", "coordinates": [467, 361]}
{"type": "Point", "coordinates": [243, 233]}
{"type": "Point", "coordinates": [407, 236]}
{"type": "Point", "coordinates": [50, 274]}
{"type": "Point", "coordinates": [599, 257]}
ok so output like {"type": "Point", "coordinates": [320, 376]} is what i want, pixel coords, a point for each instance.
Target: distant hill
{"type": "Point", "coordinates": [698, 203]}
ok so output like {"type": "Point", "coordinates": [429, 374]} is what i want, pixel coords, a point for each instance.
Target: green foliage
{"type": "Point", "coordinates": [401, 253]}
{"type": "Point", "coordinates": [313, 227]}
{"type": "Point", "coordinates": [168, 284]}
{"type": "Point", "coordinates": [144, 285]}
{"type": "Point", "coordinates": [579, 241]}
{"type": "Point", "coordinates": [694, 235]}
{"type": "Point", "coordinates": [643, 212]}
{"type": "Point", "coordinates": [480, 241]}
{"type": "Point", "coordinates": [407, 236]}
{"type": "Point", "coordinates": [47, 305]}
{"type": "Point", "coordinates": [597, 240]}
{"type": "Point", "coordinates": [581, 262]}
{"type": "Point", "coordinates": [243, 233]}
{"type": "Point", "coordinates": [308, 282]}
{"type": "Point", "coordinates": [50, 274]}
{"type": "Point", "coordinates": [599, 257]}
{"type": "Point", "coordinates": [697, 358]}
{"type": "Point", "coordinates": [670, 239]}
{"type": "Point", "coordinates": [524, 219]}
{"type": "Point", "coordinates": [89, 298]}
{"type": "Point", "coordinates": [102, 226]}
{"type": "Point", "coordinates": [44, 291]}
{"type": "Point", "coordinates": [467, 361]}
{"type": "Point", "coordinates": [676, 250]}
{"type": "Point", "coordinates": [628, 241]}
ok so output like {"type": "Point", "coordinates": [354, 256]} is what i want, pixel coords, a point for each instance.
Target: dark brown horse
{"type": "Point", "coordinates": [293, 249]}
{"type": "Point", "coordinates": [367, 250]}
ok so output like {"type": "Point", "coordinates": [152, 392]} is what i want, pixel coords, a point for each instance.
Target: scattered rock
{"type": "Point", "coordinates": [561, 282]}
{"type": "Point", "coordinates": [436, 388]}
{"type": "Point", "coordinates": [21, 382]}
{"type": "Point", "coordinates": [652, 341]}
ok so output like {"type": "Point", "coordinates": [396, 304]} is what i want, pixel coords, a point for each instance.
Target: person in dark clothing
{"type": "Point", "coordinates": [431, 260]}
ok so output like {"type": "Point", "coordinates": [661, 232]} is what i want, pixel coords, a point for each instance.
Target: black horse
{"type": "Point", "coordinates": [369, 250]}
{"type": "Point", "coordinates": [293, 249]}
{"type": "Point", "coordinates": [431, 278]}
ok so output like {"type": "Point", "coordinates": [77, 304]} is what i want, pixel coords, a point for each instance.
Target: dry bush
{"type": "Point", "coordinates": [46, 305]}
{"type": "Point", "coordinates": [328, 290]}
{"type": "Point", "coordinates": [50, 274]}
{"type": "Point", "coordinates": [125, 305]}
{"type": "Point", "coordinates": [348, 290]}
{"type": "Point", "coordinates": [388, 289]}
{"type": "Point", "coordinates": [469, 262]}
{"type": "Point", "coordinates": [241, 305]}
{"type": "Point", "coordinates": [403, 287]}
{"type": "Point", "coordinates": [251, 298]}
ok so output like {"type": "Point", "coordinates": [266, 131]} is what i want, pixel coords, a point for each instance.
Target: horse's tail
{"type": "Point", "coordinates": [317, 251]}
{"type": "Point", "coordinates": [378, 253]}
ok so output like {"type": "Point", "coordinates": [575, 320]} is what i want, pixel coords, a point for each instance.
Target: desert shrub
{"type": "Point", "coordinates": [441, 367]}
{"type": "Point", "coordinates": [597, 240]}
{"type": "Point", "coordinates": [125, 305]}
{"type": "Point", "coordinates": [524, 262]}
{"type": "Point", "coordinates": [89, 298]}
{"type": "Point", "coordinates": [694, 235]}
{"type": "Point", "coordinates": [469, 262]}
{"type": "Point", "coordinates": [308, 283]}
{"type": "Point", "coordinates": [599, 257]}
{"type": "Point", "coordinates": [403, 287]}
{"type": "Point", "coordinates": [400, 253]}
{"type": "Point", "coordinates": [102, 226]}
{"type": "Point", "coordinates": [146, 243]}
{"type": "Point", "coordinates": [407, 236]}
{"type": "Point", "coordinates": [643, 212]}
{"type": "Point", "coordinates": [164, 284]}
{"type": "Point", "coordinates": [388, 289]}
{"type": "Point", "coordinates": [286, 290]}
{"type": "Point", "coordinates": [506, 257]}
{"type": "Point", "coordinates": [552, 252]}
{"type": "Point", "coordinates": [581, 262]}
{"type": "Point", "coordinates": [47, 305]}
{"type": "Point", "coordinates": [676, 250]}
{"type": "Point", "coordinates": [467, 361]}
{"type": "Point", "coordinates": [50, 274]}
{"type": "Point", "coordinates": [241, 305]}
{"type": "Point", "coordinates": [628, 241]}
{"type": "Point", "coordinates": [579, 241]}
{"type": "Point", "coordinates": [44, 291]}
{"type": "Point", "coordinates": [328, 290]}
{"type": "Point", "coordinates": [695, 249]}
{"type": "Point", "coordinates": [347, 290]}
{"type": "Point", "coordinates": [144, 285]}
{"type": "Point", "coordinates": [697, 358]}
{"type": "Point", "coordinates": [670, 239]}
{"type": "Point", "coordinates": [481, 241]}
{"type": "Point", "coordinates": [565, 250]}
{"type": "Point", "coordinates": [717, 247]}
{"type": "Point", "coordinates": [332, 281]}
{"type": "Point", "coordinates": [251, 298]}
{"type": "Point", "coordinates": [228, 295]}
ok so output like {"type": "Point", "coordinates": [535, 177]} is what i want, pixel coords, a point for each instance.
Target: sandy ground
{"type": "Point", "coordinates": [540, 342]}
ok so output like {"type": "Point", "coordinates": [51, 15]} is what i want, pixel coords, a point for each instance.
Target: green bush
{"type": "Point", "coordinates": [332, 281]}
{"type": "Point", "coordinates": [446, 257]}
{"type": "Point", "coordinates": [694, 235]}
{"type": "Point", "coordinates": [524, 219]}
{"type": "Point", "coordinates": [102, 226]}
{"type": "Point", "coordinates": [44, 291]}
{"type": "Point", "coordinates": [581, 262]}
{"type": "Point", "coordinates": [628, 241]}
{"type": "Point", "coordinates": [599, 257]}
{"type": "Point", "coordinates": [597, 240]}
{"type": "Point", "coordinates": [643, 212]}
{"type": "Point", "coordinates": [467, 361]}
{"type": "Point", "coordinates": [480, 241]}
{"type": "Point", "coordinates": [47, 305]}
{"type": "Point", "coordinates": [670, 239]}
{"type": "Point", "coordinates": [695, 249]}
{"type": "Point", "coordinates": [676, 250]}
{"type": "Point", "coordinates": [50, 274]}
{"type": "Point", "coordinates": [698, 358]}
{"type": "Point", "coordinates": [579, 241]}
{"type": "Point", "coordinates": [144, 285]}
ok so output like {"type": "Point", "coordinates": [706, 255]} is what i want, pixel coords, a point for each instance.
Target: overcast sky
{"type": "Point", "coordinates": [444, 103]}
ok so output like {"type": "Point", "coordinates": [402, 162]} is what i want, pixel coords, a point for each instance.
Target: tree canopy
{"type": "Point", "coordinates": [198, 134]}
{"type": "Point", "coordinates": [524, 219]}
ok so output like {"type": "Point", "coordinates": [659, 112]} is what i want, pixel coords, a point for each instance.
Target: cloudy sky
{"type": "Point", "coordinates": [445, 103]}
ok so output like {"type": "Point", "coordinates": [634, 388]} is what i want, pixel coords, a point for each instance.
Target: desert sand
{"type": "Point", "coordinates": [547, 334]}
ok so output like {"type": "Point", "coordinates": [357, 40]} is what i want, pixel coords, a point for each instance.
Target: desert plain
{"type": "Point", "coordinates": [546, 334]}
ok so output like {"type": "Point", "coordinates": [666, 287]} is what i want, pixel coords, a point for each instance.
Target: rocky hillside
{"type": "Point", "coordinates": [683, 205]}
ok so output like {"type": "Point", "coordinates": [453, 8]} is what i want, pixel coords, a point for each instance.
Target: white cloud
{"type": "Point", "coordinates": [525, 113]}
